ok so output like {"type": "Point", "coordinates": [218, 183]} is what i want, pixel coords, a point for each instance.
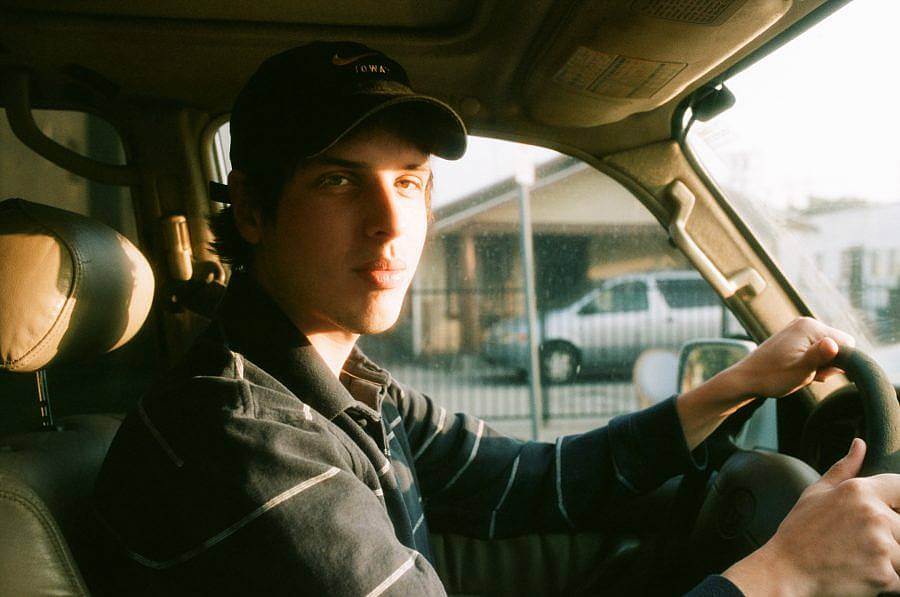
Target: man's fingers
{"type": "Point", "coordinates": [848, 466]}
{"type": "Point", "coordinates": [840, 337]}
{"type": "Point", "coordinates": [892, 583]}
{"type": "Point", "coordinates": [895, 530]}
{"type": "Point", "coordinates": [894, 586]}
{"type": "Point", "coordinates": [886, 488]}
{"type": "Point", "coordinates": [828, 347]}
{"type": "Point", "coordinates": [820, 354]}
{"type": "Point", "coordinates": [823, 374]}
{"type": "Point", "coordinates": [826, 341]}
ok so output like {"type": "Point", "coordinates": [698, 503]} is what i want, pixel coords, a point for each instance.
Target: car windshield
{"type": "Point", "coordinates": [807, 156]}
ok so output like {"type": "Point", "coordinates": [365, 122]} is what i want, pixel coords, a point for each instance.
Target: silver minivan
{"type": "Point", "coordinates": [609, 327]}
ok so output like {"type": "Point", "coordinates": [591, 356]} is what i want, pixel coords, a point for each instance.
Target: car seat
{"type": "Point", "coordinates": [70, 287]}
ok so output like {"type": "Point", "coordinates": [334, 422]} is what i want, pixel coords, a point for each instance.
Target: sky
{"type": "Point", "coordinates": [819, 115]}
{"type": "Point", "coordinates": [486, 161]}
{"type": "Point", "coordinates": [809, 119]}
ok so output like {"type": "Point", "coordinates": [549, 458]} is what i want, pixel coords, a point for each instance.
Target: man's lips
{"type": "Point", "coordinates": [383, 274]}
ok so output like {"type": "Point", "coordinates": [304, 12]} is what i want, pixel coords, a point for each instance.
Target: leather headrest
{"type": "Point", "coordinates": [70, 287]}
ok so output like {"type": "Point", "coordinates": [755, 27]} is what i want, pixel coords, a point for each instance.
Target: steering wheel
{"type": "Point", "coordinates": [881, 411]}
{"type": "Point", "coordinates": [754, 490]}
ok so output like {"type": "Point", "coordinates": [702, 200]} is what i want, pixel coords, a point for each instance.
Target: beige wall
{"type": "Point", "coordinates": [624, 238]}
{"type": "Point", "coordinates": [588, 198]}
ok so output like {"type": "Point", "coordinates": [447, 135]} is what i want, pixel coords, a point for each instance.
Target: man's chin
{"type": "Point", "coordinates": [380, 326]}
{"type": "Point", "coordinates": [376, 321]}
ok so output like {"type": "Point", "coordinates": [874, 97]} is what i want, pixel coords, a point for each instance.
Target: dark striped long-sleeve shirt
{"type": "Point", "coordinates": [254, 470]}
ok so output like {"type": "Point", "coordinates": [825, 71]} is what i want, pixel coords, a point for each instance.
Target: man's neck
{"type": "Point", "coordinates": [333, 347]}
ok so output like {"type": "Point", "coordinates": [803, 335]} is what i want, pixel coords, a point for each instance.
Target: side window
{"type": "Point", "coordinates": [463, 334]}
{"type": "Point", "coordinates": [683, 294]}
{"type": "Point", "coordinates": [463, 338]}
{"type": "Point", "coordinates": [631, 296]}
{"type": "Point", "coordinates": [601, 303]}
{"type": "Point", "coordinates": [113, 382]}
{"type": "Point", "coordinates": [618, 298]}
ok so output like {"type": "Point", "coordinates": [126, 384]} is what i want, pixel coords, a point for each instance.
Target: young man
{"type": "Point", "coordinates": [279, 460]}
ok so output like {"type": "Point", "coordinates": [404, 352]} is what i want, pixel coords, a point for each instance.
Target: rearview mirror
{"type": "Point", "coordinates": [659, 373]}
{"type": "Point", "coordinates": [700, 360]}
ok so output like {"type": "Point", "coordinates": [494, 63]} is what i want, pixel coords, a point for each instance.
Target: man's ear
{"type": "Point", "coordinates": [247, 216]}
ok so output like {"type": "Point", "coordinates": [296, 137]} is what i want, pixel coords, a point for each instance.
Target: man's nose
{"type": "Point", "coordinates": [384, 214]}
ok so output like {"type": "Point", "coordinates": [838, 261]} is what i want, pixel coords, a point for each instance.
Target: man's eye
{"type": "Point", "coordinates": [334, 180]}
{"type": "Point", "coordinates": [410, 186]}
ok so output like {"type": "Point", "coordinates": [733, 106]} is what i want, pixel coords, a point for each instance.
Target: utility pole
{"type": "Point", "coordinates": [525, 179]}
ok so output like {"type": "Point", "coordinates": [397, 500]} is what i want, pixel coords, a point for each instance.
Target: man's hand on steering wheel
{"type": "Point", "coordinates": [841, 538]}
{"type": "Point", "coordinates": [791, 359]}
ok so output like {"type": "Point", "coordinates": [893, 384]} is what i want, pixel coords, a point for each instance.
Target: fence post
{"type": "Point", "coordinates": [416, 316]}
{"type": "Point", "coordinates": [525, 178]}
{"type": "Point", "coordinates": [545, 403]}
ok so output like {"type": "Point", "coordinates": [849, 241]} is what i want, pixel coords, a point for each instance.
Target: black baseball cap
{"type": "Point", "coordinates": [302, 101]}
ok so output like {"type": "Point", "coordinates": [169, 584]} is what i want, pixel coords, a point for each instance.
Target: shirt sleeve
{"type": "Point", "coordinates": [241, 498]}
{"type": "Point", "coordinates": [484, 484]}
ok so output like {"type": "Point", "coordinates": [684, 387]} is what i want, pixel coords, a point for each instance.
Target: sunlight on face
{"type": "Point", "coordinates": [348, 234]}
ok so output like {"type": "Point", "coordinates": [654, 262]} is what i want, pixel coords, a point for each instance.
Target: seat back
{"type": "Point", "coordinates": [70, 288]}
{"type": "Point", "coordinates": [45, 566]}
{"type": "Point", "coordinates": [54, 473]}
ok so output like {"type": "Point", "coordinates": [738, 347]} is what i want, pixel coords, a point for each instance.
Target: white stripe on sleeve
{"type": "Point", "coordinates": [509, 484]}
{"type": "Point", "coordinates": [472, 454]}
{"type": "Point", "coordinates": [559, 494]}
{"type": "Point", "coordinates": [158, 436]}
{"type": "Point", "coordinates": [418, 523]}
{"type": "Point", "coordinates": [272, 503]}
{"type": "Point", "coordinates": [394, 576]}
{"type": "Point", "coordinates": [437, 430]}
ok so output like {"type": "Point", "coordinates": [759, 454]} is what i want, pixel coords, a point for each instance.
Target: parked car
{"type": "Point", "coordinates": [607, 329]}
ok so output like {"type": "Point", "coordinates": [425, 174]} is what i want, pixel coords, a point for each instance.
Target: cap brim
{"type": "Point", "coordinates": [446, 136]}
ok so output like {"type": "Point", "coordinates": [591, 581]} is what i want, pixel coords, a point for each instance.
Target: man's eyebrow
{"type": "Point", "coordinates": [327, 160]}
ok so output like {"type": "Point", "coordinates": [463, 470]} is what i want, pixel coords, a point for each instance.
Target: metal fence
{"type": "Point", "coordinates": [467, 349]}
{"type": "Point", "coordinates": [467, 383]}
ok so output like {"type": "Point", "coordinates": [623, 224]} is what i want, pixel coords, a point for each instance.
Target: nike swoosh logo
{"type": "Point", "coordinates": [338, 61]}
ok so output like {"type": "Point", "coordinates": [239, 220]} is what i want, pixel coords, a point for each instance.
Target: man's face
{"type": "Point", "coordinates": [348, 234]}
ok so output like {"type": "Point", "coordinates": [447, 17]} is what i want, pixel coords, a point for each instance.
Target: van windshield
{"type": "Point", "coordinates": [808, 158]}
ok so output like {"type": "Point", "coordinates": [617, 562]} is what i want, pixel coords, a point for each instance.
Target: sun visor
{"type": "Point", "coordinates": [622, 57]}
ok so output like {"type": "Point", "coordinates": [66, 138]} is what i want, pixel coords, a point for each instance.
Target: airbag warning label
{"type": "Point", "coordinates": [611, 75]}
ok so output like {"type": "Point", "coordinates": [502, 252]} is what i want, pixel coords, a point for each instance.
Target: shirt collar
{"type": "Point", "coordinates": [359, 365]}
{"type": "Point", "coordinates": [366, 381]}
{"type": "Point", "coordinates": [255, 326]}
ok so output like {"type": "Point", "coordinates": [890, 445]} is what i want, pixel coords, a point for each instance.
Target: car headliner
{"type": "Point", "coordinates": [518, 73]}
